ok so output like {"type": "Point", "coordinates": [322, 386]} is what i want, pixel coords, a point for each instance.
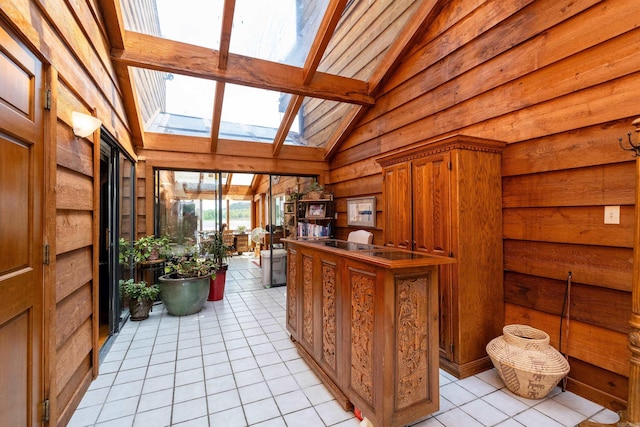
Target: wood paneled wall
{"type": "Point", "coordinates": [69, 37]}
{"type": "Point", "coordinates": [557, 81]}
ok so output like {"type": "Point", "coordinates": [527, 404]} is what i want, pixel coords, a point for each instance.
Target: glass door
{"type": "Point", "coordinates": [117, 213]}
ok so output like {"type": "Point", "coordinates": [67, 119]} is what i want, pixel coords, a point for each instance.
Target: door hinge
{"type": "Point", "coordinates": [452, 348]}
{"type": "Point", "coordinates": [45, 255]}
{"type": "Point", "coordinates": [45, 410]}
{"type": "Point", "coordinates": [449, 166]}
{"type": "Point", "coordinates": [450, 254]}
{"type": "Point", "coordinates": [47, 100]}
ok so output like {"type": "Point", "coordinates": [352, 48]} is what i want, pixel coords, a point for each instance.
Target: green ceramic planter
{"type": "Point", "coordinates": [182, 297]}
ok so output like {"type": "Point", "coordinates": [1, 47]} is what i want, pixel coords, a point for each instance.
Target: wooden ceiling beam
{"type": "Point", "coordinates": [320, 42]}
{"type": "Point", "coordinates": [225, 42]}
{"type": "Point", "coordinates": [114, 26]}
{"type": "Point", "coordinates": [285, 124]}
{"type": "Point", "coordinates": [112, 12]}
{"type": "Point", "coordinates": [323, 37]}
{"type": "Point", "coordinates": [225, 33]}
{"type": "Point", "coordinates": [169, 56]}
{"type": "Point", "coordinates": [130, 102]}
{"type": "Point", "coordinates": [217, 115]}
{"type": "Point", "coordinates": [422, 18]}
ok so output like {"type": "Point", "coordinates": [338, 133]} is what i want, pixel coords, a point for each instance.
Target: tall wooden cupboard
{"type": "Point", "coordinates": [444, 197]}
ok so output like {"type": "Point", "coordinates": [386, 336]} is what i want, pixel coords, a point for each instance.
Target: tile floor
{"type": "Point", "coordinates": [233, 364]}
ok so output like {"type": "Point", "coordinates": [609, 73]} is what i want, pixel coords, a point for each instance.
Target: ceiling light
{"type": "Point", "coordinates": [84, 124]}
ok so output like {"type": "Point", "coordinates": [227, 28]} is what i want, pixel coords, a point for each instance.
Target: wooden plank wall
{"type": "Point", "coordinates": [69, 36]}
{"type": "Point", "coordinates": [556, 80]}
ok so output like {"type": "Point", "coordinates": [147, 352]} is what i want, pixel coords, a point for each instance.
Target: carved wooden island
{"type": "Point", "coordinates": [365, 318]}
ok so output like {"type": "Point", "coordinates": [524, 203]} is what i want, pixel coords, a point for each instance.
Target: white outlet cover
{"type": "Point", "coordinates": [612, 214]}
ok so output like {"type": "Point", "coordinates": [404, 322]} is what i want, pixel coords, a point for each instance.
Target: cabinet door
{"type": "Point", "coordinates": [432, 205]}
{"type": "Point", "coordinates": [432, 223]}
{"type": "Point", "coordinates": [397, 215]}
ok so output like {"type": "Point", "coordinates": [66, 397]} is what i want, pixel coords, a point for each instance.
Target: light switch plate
{"type": "Point", "coordinates": [612, 214]}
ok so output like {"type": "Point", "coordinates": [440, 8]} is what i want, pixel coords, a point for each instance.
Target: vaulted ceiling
{"type": "Point", "coordinates": [337, 55]}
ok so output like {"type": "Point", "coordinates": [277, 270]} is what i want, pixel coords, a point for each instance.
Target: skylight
{"type": "Point", "coordinates": [276, 30]}
{"type": "Point", "coordinates": [282, 46]}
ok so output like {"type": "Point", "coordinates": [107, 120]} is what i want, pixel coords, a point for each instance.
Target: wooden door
{"type": "Point", "coordinates": [397, 215]}
{"type": "Point", "coordinates": [432, 225]}
{"type": "Point", "coordinates": [431, 204]}
{"type": "Point", "coordinates": [21, 287]}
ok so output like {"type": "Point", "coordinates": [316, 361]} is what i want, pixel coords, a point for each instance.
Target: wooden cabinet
{"type": "Point", "coordinates": [365, 319]}
{"type": "Point", "coordinates": [445, 198]}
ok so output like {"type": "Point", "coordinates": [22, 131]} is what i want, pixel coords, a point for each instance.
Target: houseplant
{"type": "Point", "coordinates": [314, 191]}
{"type": "Point", "coordinates": [292, 194]}
{"type": "Point", "coordinates": [141, 297]}
{"type": "Point", "coordinates": [149, 248]}
{"type": "Point", "coordinates": [214, 248]}
{"type": "Point", "coordinates": [185, 286]}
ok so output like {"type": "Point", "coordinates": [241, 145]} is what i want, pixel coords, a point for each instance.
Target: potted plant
{"type": "Point", "coordinates": [215, 248]}
{"type": "Point", "coordinates": [150, 248]}
{"type": "Point", "coordinates": [292, 194]}
{"type": "Point", "coordinates": [315, 191]}
{"type": "Point", "coordinates": [242, 229]}
{"type": "Point", "coordinates": [185, 285]}
{"type": "Point", "coordinates": [141, 297]}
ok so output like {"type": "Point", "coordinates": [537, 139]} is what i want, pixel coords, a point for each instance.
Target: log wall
{"type": "Point", "coordinates": [557, 81]}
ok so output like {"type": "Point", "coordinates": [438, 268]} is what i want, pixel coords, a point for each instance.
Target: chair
{"type": "Point", "coordinates": [360, 236]}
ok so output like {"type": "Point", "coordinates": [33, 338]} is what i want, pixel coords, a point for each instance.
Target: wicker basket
{"type": "Point", "coordinates": [525, 361]}
{"type": "Point", "coordinates": [313, 195]}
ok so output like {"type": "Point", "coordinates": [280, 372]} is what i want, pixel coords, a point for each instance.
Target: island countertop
{"type": "Point", "coordinates": [365, 319]}
{"type": "Point", "coordinates": [383, 256]}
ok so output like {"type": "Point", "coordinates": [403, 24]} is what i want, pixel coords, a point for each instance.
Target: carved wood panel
{"type": "Point", "coordinates": [362, 333]}
{"type": "Point", "coordinates": [329, 329]}
{"type": "Point", "coordinates": [307, 300]}
{"type": "Point", "coordinates": [292, 291]}
{"type": "Point", "coordinates": [412, 341]}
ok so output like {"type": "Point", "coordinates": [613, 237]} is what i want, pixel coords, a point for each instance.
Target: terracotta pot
{"type": "Point", "coordinates": [216, 284]}
{"type": "Point", "coordinates": [525, 361]}
{"type": "Point", "coordinates": [182, 297]}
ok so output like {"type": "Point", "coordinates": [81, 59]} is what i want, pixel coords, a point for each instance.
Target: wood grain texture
{"type": "Point", "coordinates": [594, 305]}
{"type": "Point", "coordinates": [73, 271]}
{"type": "Point", "coordinates": [72, 312]}
{"type": "Point", "coordinates": [601, 266]}
{"type": "Point", "coordinates": [580, 225]}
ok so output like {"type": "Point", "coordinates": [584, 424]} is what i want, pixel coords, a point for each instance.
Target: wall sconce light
{"type": "Point", "coordinates": [633, 147]}
{"type": "Point", "coordinates": [84, 124]}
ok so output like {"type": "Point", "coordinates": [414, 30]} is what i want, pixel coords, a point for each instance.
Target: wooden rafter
{"type": "Point", "coordinates": [225, 41]}
{"type": "Point", "coordinates": [227, 185]}
{"type": "Point", "coordinates": [320, 43]}
{"type": "Point", "coordinates": [217, 114]}
{"type": "Point", "coordinates": [425, 14]}
{"type": "Point", "coordinates": [155, 53]}
{"type": "Point", "coordinates": [112, 11]}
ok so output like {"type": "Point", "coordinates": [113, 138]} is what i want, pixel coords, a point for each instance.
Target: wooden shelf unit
{"type": "Point", "coordinates": [314, 218]}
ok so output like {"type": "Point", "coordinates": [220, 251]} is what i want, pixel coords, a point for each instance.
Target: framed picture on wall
{"type": "Point", "coordinates": [361, 212]}
{"type": "Point", "coordinates": [316, 210]}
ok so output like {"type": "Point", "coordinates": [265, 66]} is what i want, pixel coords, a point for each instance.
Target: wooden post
{"type": "Point", "coordinates": [633, 402]}
{"type": "Point", "coordinates": [631, 417]}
